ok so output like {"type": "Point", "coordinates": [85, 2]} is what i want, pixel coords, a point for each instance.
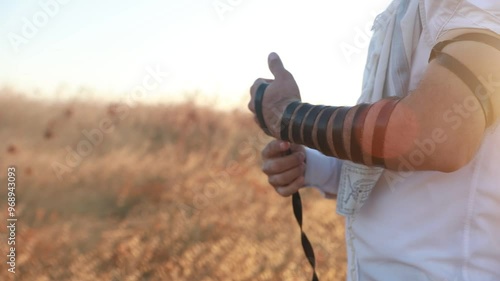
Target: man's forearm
{"type": "Point", "coordinates": [349, 133]}
{"type": "Point", "coordinates": [398, 134]}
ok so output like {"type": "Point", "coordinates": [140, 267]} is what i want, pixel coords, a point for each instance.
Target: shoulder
{"type": "Point", "coordinates": [441, 16]}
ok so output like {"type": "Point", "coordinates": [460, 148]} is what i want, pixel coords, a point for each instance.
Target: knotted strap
{"type": "Point", "coordinates": [296, 201]}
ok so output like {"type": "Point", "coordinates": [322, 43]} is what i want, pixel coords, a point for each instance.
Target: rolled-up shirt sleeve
{"type": "Point", "coordinates": [323, 173]}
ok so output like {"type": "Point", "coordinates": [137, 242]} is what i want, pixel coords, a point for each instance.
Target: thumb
{"type": "Point", "coordinates": [276, 65]}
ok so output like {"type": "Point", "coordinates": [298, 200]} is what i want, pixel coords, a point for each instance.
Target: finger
{"type": "Point", "coordinates": [257, 83]}
{"type": "Point", "coordinates": [290, 189]}
{"type": "Point", "coordinates": [296, 147]}
{"type": "Point", "coordinates": [276, 66]}
{"type": "Point", "coordinates": [275, 148]}
{"type": "Point", "coordinates": [251, 106]}
{"type": "Point", "coordinates": [282, 164]}
{"type": "Point", "coordinates": [287, 177]}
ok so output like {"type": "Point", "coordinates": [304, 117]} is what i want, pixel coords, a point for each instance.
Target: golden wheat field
{"type": "Point", "coordinates": [170, 192]}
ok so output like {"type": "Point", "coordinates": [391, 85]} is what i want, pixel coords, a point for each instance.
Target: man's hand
{"type": "Point", "coordinates": [285, 172]}
{"type": "Point", "coordinates": [281, 91]}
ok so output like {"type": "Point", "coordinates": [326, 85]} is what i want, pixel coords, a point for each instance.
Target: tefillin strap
{"type": "Point", "coordinates": [464, 73]}
{"type": "Point", "coordinates": [324, 128]}
{"type": "Point", "coordinates": [296, 200]}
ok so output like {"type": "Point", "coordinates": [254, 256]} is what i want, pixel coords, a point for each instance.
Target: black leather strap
{"type": "Point", "coordinates": [306, 244]}
{"type": "Point", "coordinates": [259, 97]}
{"type": "Point", "coordinates": [285, 120]}
{"type": "Point", "coordinates": [468, 77]}
{"type": "Point", "coordinates": [480, 37]}
{"type": "Point", "coordinates": [357, 130]}
{"type": "Point", "coordinates": [296, 201]}
{"type": "Point", "coordinates": [464, 73]}
{"type": "Point", "coordinates": [476, 37]}
{"type": "Point", "coordinates": [307, 135]}
{"type": "Point", "coordinates": [338, 132]}
{"type": "Point", "coordinates": [297, 121]}
{"type": "Point", "coordinates": [380, 131]}
{"type": "Point", "coordinates": [324, 118]}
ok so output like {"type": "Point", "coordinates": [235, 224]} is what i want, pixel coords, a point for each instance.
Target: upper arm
{"type": "Point", "coordinates": [442, 119]}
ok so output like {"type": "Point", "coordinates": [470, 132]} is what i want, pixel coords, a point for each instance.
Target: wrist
{"type": "Point", "coordinates": [275, 117]}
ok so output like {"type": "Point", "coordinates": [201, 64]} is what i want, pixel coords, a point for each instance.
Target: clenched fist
{"type": "Point", "coordinates": [282, 91]}
{"type": "Point", "coordinates": [285, 172]}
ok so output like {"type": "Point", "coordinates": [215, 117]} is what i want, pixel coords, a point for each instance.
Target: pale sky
{"type": "Point", "coordinates": [215, 48]}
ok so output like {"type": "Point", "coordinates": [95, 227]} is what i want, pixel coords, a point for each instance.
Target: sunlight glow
{"type": "Point", "coordinates": [213, 48]}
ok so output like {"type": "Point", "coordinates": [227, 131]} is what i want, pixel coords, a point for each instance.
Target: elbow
{"type": "Point", "coordinates": [446, 159]}
{"type": "Point", "coordinates": [451, 167]}
{"type": "Point", "coordinates": [452, 162]}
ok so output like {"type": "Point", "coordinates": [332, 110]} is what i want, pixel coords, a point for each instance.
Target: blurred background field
{"type": "Point", "coordinates": [170, 192]}
{"type": "Point", "coordinates": [132, 160]}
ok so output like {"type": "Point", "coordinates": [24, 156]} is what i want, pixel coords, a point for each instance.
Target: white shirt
{"type": "Point", "coordinates": [428, 225]}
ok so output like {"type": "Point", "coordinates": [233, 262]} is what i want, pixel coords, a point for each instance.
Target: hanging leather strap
{"type": "Point", "coordinates": [306, 244]}
{"type": "Point", "coordinates": [296, 200]}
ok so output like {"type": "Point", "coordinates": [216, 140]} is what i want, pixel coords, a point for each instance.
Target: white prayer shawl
{"type": "Point", "coordinates": [396, 34]}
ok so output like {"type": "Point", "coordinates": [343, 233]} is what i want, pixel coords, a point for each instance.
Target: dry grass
{"type": "Point", "coordinates": [173, 193]}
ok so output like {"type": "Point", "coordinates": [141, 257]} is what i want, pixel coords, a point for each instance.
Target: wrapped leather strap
{"type": "Point", "coordinates": [309, 125]}
{"type": "Point", "coordinates": [297, 126]}
{"type": "Point", "coordinates": [259, 97]}
{"type": "Point", "coordinates": [357, 131]}
{"type": "Point", "coordinates": [472, 82]}
{"type": "Point", "coordinates": [464, 73]}
{"type": "Point", "coordinates": [321, 134]}
{"type": "Point", "coordinates": [475, 37]}
{"type": "Point", "coordinates": [338, 132]}
{"type": "Point", "coordinates": [285, 120]}
{"type": "Point", "coordinates": [381, 130]}
{"type": "Point", "coordinates": [324, 128]}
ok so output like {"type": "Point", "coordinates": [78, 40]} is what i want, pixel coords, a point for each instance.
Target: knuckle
{"type": "Point", "coordinates": [265, 167]}
{"type": "Point", "coordinates": [278, 179]}
{"type": "Point", "coordinates": [298, 157]}
{"type": "Point", "coordinates": [270, 180]}
{"type": "Point", "coordinates": [264, 152]}
{"type": "Point", "coordinates": [257, 83]}
{"type": "Point", "coordinates": [287, 192]}
{"type": "Point", "coordinates": [281, 191]}
{"type": "Point", "coordinates": [272, 166]}
{"type": "Point", "coordinates": [276, 147]}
